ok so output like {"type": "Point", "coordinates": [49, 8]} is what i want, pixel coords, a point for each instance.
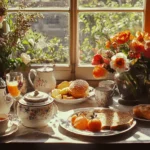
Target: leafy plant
{"type": "Point", "coordinates": [10, 40]}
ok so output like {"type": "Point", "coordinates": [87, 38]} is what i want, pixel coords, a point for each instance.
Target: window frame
{"type": "Point", "coordinates": [73, 70]}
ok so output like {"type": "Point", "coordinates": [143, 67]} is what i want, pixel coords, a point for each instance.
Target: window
{"type": "Point", "coordinates": [74, 26]}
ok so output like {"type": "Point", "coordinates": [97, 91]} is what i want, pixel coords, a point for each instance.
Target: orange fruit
{"type": "Point", "coordinates": [81, 122]}
{"type": "Point", "coordinates": [73, 118]}
{"type": "Point", "coordinates": [94, 125]}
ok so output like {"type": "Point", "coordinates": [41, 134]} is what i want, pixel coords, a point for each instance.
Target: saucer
{"type": "Point", "coordinates": [12, 128]}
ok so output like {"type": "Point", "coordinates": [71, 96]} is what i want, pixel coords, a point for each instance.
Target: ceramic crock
{"type": "Point", "coordinates": [35, 109]}
{"type": "Point", "coordinates": [44, 79]}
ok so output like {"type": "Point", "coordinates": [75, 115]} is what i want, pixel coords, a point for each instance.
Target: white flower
{"type": "Point", "coordinates": [25, 58]}
{"type": "Point", "coordinates": [119, 62]}
{"type": "Point", "coordinates": [31, 41]}
{"type": "Point", "coordinates": [41, 44]}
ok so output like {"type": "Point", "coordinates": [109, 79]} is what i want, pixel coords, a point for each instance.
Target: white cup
{"type": "Point", "coordinates": [4, 119]}
{"type": "Point", "coordinates": [107, 83]}
{"type": "Point", "coordinates": [103, 96]}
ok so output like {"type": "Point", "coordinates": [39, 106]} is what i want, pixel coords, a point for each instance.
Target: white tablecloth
{"type": "Point", "coordinates": [53, 133]}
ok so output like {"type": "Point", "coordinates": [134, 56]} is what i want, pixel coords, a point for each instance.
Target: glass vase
{"type": "Point", "coordinates": [131, 85]}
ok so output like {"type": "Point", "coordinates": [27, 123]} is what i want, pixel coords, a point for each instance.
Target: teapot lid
{"type": "Point", "coordinates": [36, 98]}
{"type": "Point", "coordinates": [2, 83]}
{"type": "Point", "coordinates": [45, 69]}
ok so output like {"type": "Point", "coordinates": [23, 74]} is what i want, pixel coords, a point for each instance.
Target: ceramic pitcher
{"type": "Point", "coordinates": [44, 79]}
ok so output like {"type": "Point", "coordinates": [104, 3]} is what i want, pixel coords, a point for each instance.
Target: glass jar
{"type": "Point", "coordinates": [131, 85]}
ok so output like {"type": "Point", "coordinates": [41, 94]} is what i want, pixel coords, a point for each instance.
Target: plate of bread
{"type": "Point", "coordinates": [142, 112]}
{"type": "Point", "coordinates": [98, 122]}
{"type": "Point", "coordinates": [72, 92]}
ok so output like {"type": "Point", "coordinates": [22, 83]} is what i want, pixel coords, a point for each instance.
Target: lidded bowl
{"type": "Point", "coordinates": [35, 109]}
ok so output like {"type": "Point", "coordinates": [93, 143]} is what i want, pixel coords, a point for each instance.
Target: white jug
{"type": "Point", "coordinates": [44, 79]}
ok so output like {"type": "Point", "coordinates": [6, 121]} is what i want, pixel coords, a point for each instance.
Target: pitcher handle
{"type": "Point", "coordinates": [32, 71]}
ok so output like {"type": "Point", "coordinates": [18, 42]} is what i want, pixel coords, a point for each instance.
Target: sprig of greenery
{"type": "Point", "coordinates": [10, 42]}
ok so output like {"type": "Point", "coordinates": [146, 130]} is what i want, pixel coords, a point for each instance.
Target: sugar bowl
{"type": "Point", "coordinates": [35, 109]}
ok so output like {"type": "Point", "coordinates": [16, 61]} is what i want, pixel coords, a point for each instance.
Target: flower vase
{"type": "Point", "coordinates": [131, 85]}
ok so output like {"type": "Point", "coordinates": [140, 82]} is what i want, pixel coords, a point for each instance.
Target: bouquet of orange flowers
{"type": "Point", "coordinates": [123, 50]}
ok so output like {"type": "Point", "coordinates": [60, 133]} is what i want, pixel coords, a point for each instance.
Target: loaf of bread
{"type": "Point", "coordinates": [79, 88]}
{"type": "Point", "coordinates": [142, 111]}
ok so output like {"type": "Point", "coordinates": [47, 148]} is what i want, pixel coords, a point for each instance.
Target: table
{"type": "Point", "coordinates": [54, 134]}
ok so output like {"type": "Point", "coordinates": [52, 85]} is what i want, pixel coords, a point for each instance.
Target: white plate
{"type": "Point", "coordinates": [76, 101]}
{"type": "Point", "coordinates": [141, 119]}
{"type": "Point", "coordinates": [66, 124]}
{"type": "Point", "coordinates": [12, 128]}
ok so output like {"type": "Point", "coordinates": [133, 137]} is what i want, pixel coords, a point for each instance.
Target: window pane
{"type": "Point", "coordinates": [110, 3]}
{"type": "Point", "coordinates": [55, 26]}
{"type": "Point", "coordinates": [94, 28]}
{"type": "Point", "coordinates": [44, 3]}
{"type": "Point", "coordinates": [49, 39]}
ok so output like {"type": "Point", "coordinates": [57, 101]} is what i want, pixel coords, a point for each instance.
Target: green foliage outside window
{"type": "Point", "coordinates": [96, 28]}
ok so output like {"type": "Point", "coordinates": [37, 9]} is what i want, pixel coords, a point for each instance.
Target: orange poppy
{"type": "Point", "coordinates": [122, 37]}
{"type": "Point", "coordinates": [97, 59]}
{"type": "Point", "coordinates": [99, 72]}
{"type": "Point", "coordinates": [137, 46]}
{"type": "Point", "coordinates": [147, 36]}
{"type": "Point", "coordinates": [107, 44]}
{"type": "Point", "coordinates": [140, 36]}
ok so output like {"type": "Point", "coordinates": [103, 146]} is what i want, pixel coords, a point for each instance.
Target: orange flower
{"type": "Point", "coordinates": [99, 72]}
{"type": "Point", "coordinates": [122, 37]}
{"type": "Point", "coordinates": [147, 36]}
{"type": "Point", "coordinates": [140, 36]}
{"type": "Point", "coordinates": [97, 59]}
{"type": "Point", "coordinates": [134, 55]}
{"type": "Point", "coordinates": [110, 44]}
{"type": "Point", "coordinates": [137, 46]}
{"type": "Point", "coordinates": [107, 44]}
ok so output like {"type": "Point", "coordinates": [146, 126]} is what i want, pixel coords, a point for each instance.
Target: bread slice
{"type": "Point", "coordinates": [115, 120]}
{"type": "Point", "coordinates": [121, 121]}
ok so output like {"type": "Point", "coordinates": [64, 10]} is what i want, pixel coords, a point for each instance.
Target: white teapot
{"type": "Point", "coordinates": [44, 79]}
{"type": "Point", "coordinates": [35, 109]}
{"type": "Point", "coordinates": [6, 101]}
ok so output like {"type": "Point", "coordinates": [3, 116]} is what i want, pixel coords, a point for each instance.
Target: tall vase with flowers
{"type": "Point", "coordinates": [13, 29]}
{"type": "Point", "coordinates": [126, 55]}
